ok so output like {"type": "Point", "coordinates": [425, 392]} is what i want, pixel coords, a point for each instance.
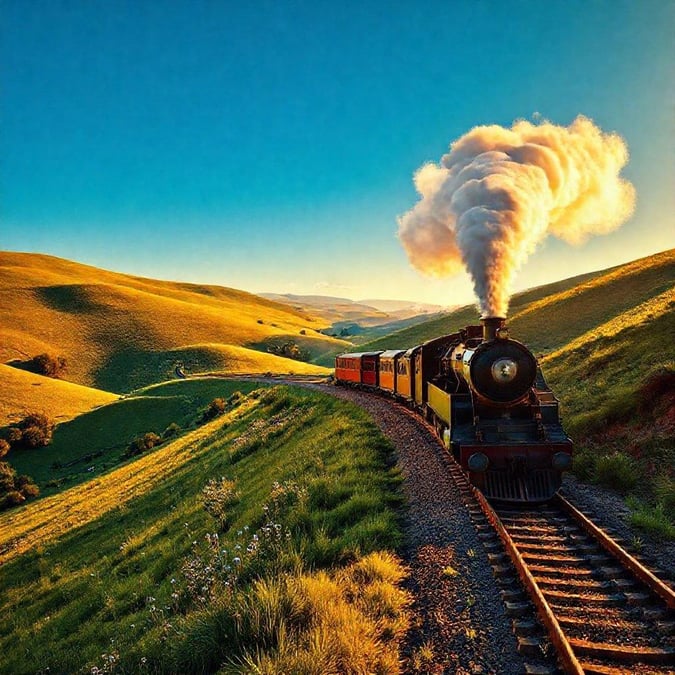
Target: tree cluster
{"type": "Point", "coordinates": [33, 431]}
{"type": "Point", "coordinates": [290, 350]}
{"type": "Point", "coordinates": [142, 443]}
{"type": "Point", "coordinates": [14, 490]}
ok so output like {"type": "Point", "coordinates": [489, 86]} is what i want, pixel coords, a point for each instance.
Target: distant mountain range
{"type": "Point", "coordinates": [366, 313]}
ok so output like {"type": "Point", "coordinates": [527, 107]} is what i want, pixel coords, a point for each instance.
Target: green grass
{"type": "Point", "coordinates": [652, 519]}
{"type": "Point", "coordinates": [599, 378]}
{"type": "Point", "coordinates": [105, 587]}
{"type": "Point", "coordinates": [109, 430]}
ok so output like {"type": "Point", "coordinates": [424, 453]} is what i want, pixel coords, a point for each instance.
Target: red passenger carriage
{"type": "Point", "coordinates": [360, 368]}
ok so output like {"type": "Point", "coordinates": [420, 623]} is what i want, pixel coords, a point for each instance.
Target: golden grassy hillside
{"type": "Point", "coordinates": [24, 392]}
{"type": "Point", "coordinates": [107, 324]}
{"type": "Point", "coordinates": [548, 317]}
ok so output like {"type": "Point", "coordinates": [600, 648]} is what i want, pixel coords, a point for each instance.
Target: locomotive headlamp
{"type": "Point", "coordinates": [562, 461]}
{"type": "Point", "coordinates": [504, 370]}
{"type": "Point", "coordinates": [478, 462]}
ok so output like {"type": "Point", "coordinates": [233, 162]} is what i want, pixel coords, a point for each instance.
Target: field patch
{"type": "Point", "coordinates": [96, 442]}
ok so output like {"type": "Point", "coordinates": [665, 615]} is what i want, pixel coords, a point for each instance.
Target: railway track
{"type": "Point", "coordinates": [602, 610]}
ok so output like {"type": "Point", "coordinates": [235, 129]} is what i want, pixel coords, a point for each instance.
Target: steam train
{"type": "Point", "coordinates": [488, 401]}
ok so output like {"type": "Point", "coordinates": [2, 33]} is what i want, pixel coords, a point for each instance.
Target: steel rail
{"type": "Point", "coordinates": [568, 659]}
{"type": "Point", "coordinates": [640, 571]}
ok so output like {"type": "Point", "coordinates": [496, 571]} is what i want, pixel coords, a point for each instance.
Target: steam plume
{"type": "Point", "coordinates": [499, 192]}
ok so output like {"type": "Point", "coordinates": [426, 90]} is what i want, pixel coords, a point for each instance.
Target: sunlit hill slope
{"type": "Point", "coordinates": [24, 392]}
{"type": "Point", "coordinates": [119, 332]}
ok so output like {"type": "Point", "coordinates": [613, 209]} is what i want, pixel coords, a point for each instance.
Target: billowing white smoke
{"type": "Point", "coordinates": [499, 192]}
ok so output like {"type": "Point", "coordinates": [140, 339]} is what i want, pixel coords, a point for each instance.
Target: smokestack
{"type": "Point", "coordinates": [491, 324]}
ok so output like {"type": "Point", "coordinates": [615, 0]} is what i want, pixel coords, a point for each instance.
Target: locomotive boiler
{"type": "Point", "coordinates": [488, 401]}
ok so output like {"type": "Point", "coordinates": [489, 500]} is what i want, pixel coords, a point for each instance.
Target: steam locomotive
{"type": "Point", "coordinates": [488, 400]}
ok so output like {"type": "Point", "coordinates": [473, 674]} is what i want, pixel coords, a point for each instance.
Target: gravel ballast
{"type": "Point", "coordinates": [460, 626]}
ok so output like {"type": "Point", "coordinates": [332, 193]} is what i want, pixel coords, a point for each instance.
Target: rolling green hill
{"type": "Point", "coordinates": [282, 508]}
{"type": "Point", "coordinates": [119, 332]}
{"type": "Point", "coordinates": [117, 558]}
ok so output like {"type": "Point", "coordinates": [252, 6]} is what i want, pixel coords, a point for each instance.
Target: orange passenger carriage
{"type": "Point", "coordinates": [388, 369]}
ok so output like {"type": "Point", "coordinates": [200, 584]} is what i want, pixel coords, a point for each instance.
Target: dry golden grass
{"type": "Point", "coordinates": [100, 320]}
{"type": "Point", "coordinates": [24, 392]}
{"type": "Point", "coordinates": [43, 521]}
{"type": "Point", "coordinates": [350, 621]}
{"type": "Point", "coordinates": [637, 316]}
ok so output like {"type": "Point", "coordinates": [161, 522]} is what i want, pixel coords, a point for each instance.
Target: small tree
{"type": "Point", "coordinates": [215, 408]}
{"type": "Point", "coordinates": [4, 447]}
{"type": "Point", "coordinates": [142, 443]}
{"type": "Point", "coordinates": [49, 365]}
{"type": "Point", "coordinates": [172, 430]}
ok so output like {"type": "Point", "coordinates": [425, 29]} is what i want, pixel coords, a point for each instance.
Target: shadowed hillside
{"type": "Point", "coordinates": [118, 332]}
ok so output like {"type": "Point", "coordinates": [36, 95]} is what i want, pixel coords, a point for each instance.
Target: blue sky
{"type": "Point", "coordinates": [271, 145]}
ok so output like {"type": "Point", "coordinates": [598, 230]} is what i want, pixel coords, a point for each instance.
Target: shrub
{"type": "Point", "coordinates": [33, 431]}
{"type": "Point", "coordinates": [172, 430]}
{"type": "Point", "coordinates": [289, 350]}
{"type": "Point", "coordinates": [616, 471]}
{"type": "Point", "coordinates": [235, 399]}
{"type": "Point", "coordinates": [30, 490]}
{"type": "Point", "coordinates": [652, 519]}
{"type": "Point", "coordinates": [215, 408]}
{"type": "Point", "coordinates": [14, 490]}
{"type": "Point", "coordinates": [6, 477]}
{"type": "Point", "coordinates": [49, 365]}
{"type": "Point", "coordinates": [35, 437]}
{"type": "Point", "coordinates": [4, 447]}
{"type": "Point", "coordinates": [142, 443]}
{"type": "Point", "coordinates": [36, 419]}
{"type": "Point", "coordinates": [11, 498]}
{"type": "Point", "coordinates": [14, 436]}
{"type": "Point", "coordinates": [664, 491]}
{"type": "Point", "coordinates": [151, 439]}
{"type": "Point", "coordinates": [583, 463]}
